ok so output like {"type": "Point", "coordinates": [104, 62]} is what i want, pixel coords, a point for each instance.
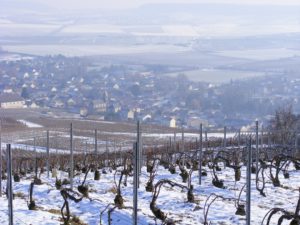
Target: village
{"type": "Point", "coordinates": [130, 93]}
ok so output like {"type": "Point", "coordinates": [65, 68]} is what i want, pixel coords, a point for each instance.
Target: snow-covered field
{"type": "Point", "coordinates": [87, 50]}
{"type": "Point", "coordinates": [171, 200]}
{"type": "Point", "coordinates": [30, 124]}
{"type": "Point", "coordinates": [261, 54]}
{"type": "Point", "coordinates": [25, 140]}
{"type": "Point", "coordinates": [168, 135]}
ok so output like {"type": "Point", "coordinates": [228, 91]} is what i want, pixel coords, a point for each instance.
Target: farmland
{"type": "Point", "coordinates": [102, 187]}
{"type": "Point", "coordinates": [172, 200]}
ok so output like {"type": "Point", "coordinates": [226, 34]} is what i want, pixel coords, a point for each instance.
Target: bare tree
{"type": "Point", "coordinates": [284, 124]}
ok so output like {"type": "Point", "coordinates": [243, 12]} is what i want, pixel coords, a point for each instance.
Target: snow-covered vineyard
{"type": "Point", "coordinates": [35, 138]}
{"type": "Point", "coordinates": [173, 201]}
{"type": "Point", "coordinates": [96, 184]}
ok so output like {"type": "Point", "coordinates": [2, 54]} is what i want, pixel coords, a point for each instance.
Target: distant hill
{"type": "Point", "coordinates": [220, 9]}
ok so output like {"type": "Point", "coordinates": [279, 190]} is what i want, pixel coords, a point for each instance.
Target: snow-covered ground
{"type": "Point", "coordinates": [30, 124]}
{"type": "Point", "coordinates": [167, 135]}
{"type": "Point", "coordinates": [25, 141]}
{"type": "Point", "coordinates": [172, 201]}
{"type": "Point", "coordinates": [9, 57]}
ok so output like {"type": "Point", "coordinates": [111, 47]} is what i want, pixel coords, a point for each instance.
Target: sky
{"type": "Point", "coordinates": [123, 4]}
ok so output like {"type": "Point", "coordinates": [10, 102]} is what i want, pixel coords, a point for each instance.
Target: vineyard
{"type": "Point", "coordinates": [73, 176]}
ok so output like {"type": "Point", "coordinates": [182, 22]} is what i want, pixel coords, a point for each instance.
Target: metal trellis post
{"type": "Point", "coordinates": [135, 184]}
{"type": "Point", "coordinates": [48, 155]}
{"type": "Point", "coordinates": [297, 151]}
{"type": "Point", "coordinates": [257, 149]}
{"type": "Point", "coordinates": [248, 200]}
{"type": "Point", "coordinates": [35, 155]}
{"type": "Point", "coordinates": [239, 138]}
{"type": "Point", "coordinates": [71, 157]}
{"type": "Point", "coordinates": [9, 184]}
{"type": "Point", "coordinates": [0, 159]}
{"type": "Point", "coordinates": [200, 153]}
{"type": "Point", "coordinates": [138, 151]}
{"type": "Point", "coordinates": [225, 138]}
{"type": "Point", "coordinates": [96, 142]}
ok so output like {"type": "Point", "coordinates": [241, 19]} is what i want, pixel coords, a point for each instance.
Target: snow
{"type": "Point", "coordinates": [30, 124]}
{"type": "Point", "coordinates": [13, 57]}
{"type": "Point", "coordinates": [24, 142]}
{"type": "Point", "coordinates": [87, 50]}
{"type": "Point", "coordinates": [172, 201]}
{"type": "Point", "coordinates": [261, 54]}
{"type": "Point", "coordinates": [37, 148]}
{"type": "Point", "coordinates": [167, 135]}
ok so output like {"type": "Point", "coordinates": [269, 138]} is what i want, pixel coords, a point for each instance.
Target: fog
{"type": "Point", "coordinates": [252, 45]}
{"type": "Point", "coordinates": [125, 4]}
{"type": "Point", "coordinates": [150, 18]}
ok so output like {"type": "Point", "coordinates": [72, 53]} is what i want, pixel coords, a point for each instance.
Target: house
{"type": "Point", "coordinates": [173, 123]}
{"type": "Point", "coordinates": [137, 110]}
{"type": "Point", "coordinates": [83, 112]}
{"type": "Point", "coordinates": [116, 87]}
{"type": "Point", "coordinates": [71, 102]}
{"type": "Point", "coordinates": [26, 75]}
{"type": "Point", "coordinates": [99, 106]}
{"type": "Point", "coordinates": [58, 103]}
{"type": "Point", "coordinates": [8, 90]}
{"type": "Point", "coordinates": [130, 115]}
{"type": "Point", "coordinates": [33, 105]}
{"type": "Point", "coordinates": [117, 107]}
{"type": "Point", "coordinates": [11, 101]}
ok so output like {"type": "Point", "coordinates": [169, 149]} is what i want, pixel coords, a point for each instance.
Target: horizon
{"type": "Point", "coordinates": [131, 4]}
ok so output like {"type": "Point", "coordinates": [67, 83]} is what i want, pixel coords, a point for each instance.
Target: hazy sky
{"type": "Point", "coordinates": [120, 4]}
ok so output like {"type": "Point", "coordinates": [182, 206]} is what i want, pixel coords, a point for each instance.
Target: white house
{"type": "Point", "coordinates": [130, 115]}
{"type": "Point", "coordinates": [11, 101]}
{"type": "Point", "coordinates": [173, 123]}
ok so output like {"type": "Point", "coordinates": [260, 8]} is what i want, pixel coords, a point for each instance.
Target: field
{"type": "Point", "coordinates": [101, 189]}
{"type": "Point", "coordinates": [23, 126]}
{"type": "Point", "coordinates": [261, 54]}
{"type": "Point", "coordinates": [91, 50]}
{"type": "Point", "coordinates": [217, 76]}
{"type": "Point", "coordinates": [173, 201]}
